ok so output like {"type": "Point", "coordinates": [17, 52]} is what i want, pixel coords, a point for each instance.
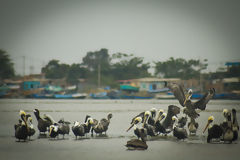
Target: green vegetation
{"type": "Point", "coordinates": [100, 67]}
{"type": "Point", "coordinates": [6, 65]}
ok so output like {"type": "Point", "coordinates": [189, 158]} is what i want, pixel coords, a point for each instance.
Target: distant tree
{"type": "Point", "coordinates": [75, 72]}
{"type": "Point", "coordinates": [93, 59]}
{"type": "Point", "coordinates": [6, 65]}
{"type": "Point", "coordinates": [180, 68]}
{"type": "Point", "coordinates": [129, 67]}
{"type": "Point", "coordinates": [54, 70]}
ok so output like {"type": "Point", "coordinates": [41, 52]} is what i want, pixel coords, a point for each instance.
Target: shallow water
{"type": "Point", "coordinates": [112, 145]}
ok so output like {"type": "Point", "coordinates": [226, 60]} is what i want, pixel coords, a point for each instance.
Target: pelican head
{"type": "Point", "coordinates": [188, 96]}
{"type": "Point", "coordinates": [136, 121]}
{"type": "Point", "coordinates": [174, 118]}
{"type": "Point", "coordinates": [210, 120]}
{"type": "Point", "coordinates": [89, 121]}
{"type": "Point", "coordinates": [153, 111]}
{"type": "Point", "coordinates": [147, 114]}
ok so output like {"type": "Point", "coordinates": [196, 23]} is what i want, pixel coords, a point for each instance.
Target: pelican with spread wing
{"type": "Point", "coordinates": [185, 99]}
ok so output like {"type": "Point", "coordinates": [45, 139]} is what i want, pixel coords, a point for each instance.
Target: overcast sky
{"type": "Point", "coordinates": [156, 30]}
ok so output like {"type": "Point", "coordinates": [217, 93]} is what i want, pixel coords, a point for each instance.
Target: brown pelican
{"type": "Point", "coordinates": [21, 129]}
{"type": "Point", "coordinates": [63, 127]}
{"type": "Point", "coordinates": [53, 130]}
{"type": "Point", "coordinates": [168, 122]}
{"type": "Point", "coordinates": [31, 130]}
{"type": "Point", "coordinates": [214, 131]}
{"type": "Point", "coordinates": [235, 125]}
{"type": "Point", "coordinates": [136, 144]}
{"type": "Point", "coordinates": [150, 129]}
{"type": "Point", "coordinates": [139, 132]}
{"type": "Point", "coordinates": [182, 122]}
{"type": "Point", "coordinates": [158, 124]}
{"type": "Point", "coordinates": [80, 129]}
{"type": "Point", "coordinates": [43, 122]}
{"type": "Point", "coordinates": [227, 126]}
{"type": "Point", "coordinates": [151, 117]}
{"type": "Point", "coordinates": [185, 101]}
{"type": "Point", "coordinates": [180, 133]}
{"type": "Point", "coordinates": [192, 126]}
{"type": "Point", "coordinates": [102, 126]}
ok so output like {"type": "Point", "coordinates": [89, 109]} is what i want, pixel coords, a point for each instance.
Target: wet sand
{"type": "Point", "coordinates": [111, 146]}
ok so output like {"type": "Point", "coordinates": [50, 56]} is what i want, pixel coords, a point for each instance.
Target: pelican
{"type": "Point", "coordinates": [31, 130]}
{"type": "Point", "coordinates": [168, 122]}
{"type": "Point", "coordinates": [102, 126]}
{"type": "Point", "coordinates": [21, 129]}
{"type": "Point", "coordinates": [151, 116]}
{"type": "Point", "coordinates": [192, 126]}
{"type": "Point", "coordinates": [182, 122]}
{"type": "Point", "coordinates": [63, 127]}
{"type": "Point", "coordinates": [180, 133]}
{"type": "Point", "coordinates": [53, 130]}
{"type": "Point", "coordinates": [43, 122]}
{"type": "Point", "coordinates": [235, 125]}
{"type": "Point", "coordinates": [227, 126]}
{"type": "Point", "coordinates": [150, 129]}
{"type": "Point", "coordinates": [139, 132]}
{"type": "Point", "coordinates": [158, 124]}
{"type": "Point", "coordinates": [185, 99]}
{"type": "Point", "coordinates": [80, 129]}
{"type": "Point", "coordinates": [214, 131]}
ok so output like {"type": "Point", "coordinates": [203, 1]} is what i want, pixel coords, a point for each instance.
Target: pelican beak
{"type": "Point", "coordinates": [50, 131]}
{"type": "Point", "coordinates": [206, 127]}
{"type": "Point", "coordinates": [145, 120]}
{"type": "Point", "coordinates": [130, 127]}
{"type": "Point", "coordinates": [161, 117]}
{"type": "Point", "coordinates": [186, 98]}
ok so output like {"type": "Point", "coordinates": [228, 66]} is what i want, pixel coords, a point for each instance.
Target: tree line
{"type": "Point", "coordinates": [118, 66]}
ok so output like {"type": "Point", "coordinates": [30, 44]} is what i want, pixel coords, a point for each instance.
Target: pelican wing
{"type": "Point", "coordinates": [48, 118]}
{"type": "Point", "coordinates": [201, 104]}
{"type": "Point", "coordinates": [178, 92]}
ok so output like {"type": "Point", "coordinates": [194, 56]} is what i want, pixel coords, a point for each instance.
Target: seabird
{"type": "Point", "coordinates": [80, 129]}
{"type": "Point", "coordinates": [235, 125]}
{"type": "Point", "coordinates": [139, 132]}
{"type": "Point", "coordinates": [227, 126]}
{"type": "Point", "coordinates": [185, 99]}
{"type": "Point", "coordinates": [21, 129]}
{"type": "Point", "coordinates": [180, 133]}
{"type": "Point", "coordinates": [102, 126]}
{"type": "Point", "coordinates": [168, 122]}
{"type": "Point", "coordinates": [43, 122]}
{"type": "Point", "coordinates": [150, 129]}
{"type": "Point", "coordinates": [63, 127]}
{"type": "Point", "coordinates": [192, 126]}
{"type": "Point", "coordinates": [214, 131]}
{"type": "Point", "coordinates": [53, 130]}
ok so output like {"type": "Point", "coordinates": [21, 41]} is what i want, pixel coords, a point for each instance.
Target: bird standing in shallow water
{"type": "Point", "coordinates": [63, 127]}
{"type": "Point", "coordinates": [80, 129]}
{"type": "Point", "coordinates": [43, 122]}
{"type": "Point", "coordinates": [102, 126]}
{"type": "Point", "coordinates": [31, 130]}
{"type": "Point", "coordinates": [214, 131]}
{"type": "Point", "coordinates": [192, 126]}
{"type": "Point", "coordinates": [21, 129]}
{"type": "Point", "coordinates": [180, 133]}
{"type": "Point", "coordinates": [139, 132]}
{"type": "Point", "coordinates": [235, 125]}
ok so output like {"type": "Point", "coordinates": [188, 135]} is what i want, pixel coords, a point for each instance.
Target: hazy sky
{"type": "Point", "coordinates": [156, 30]}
